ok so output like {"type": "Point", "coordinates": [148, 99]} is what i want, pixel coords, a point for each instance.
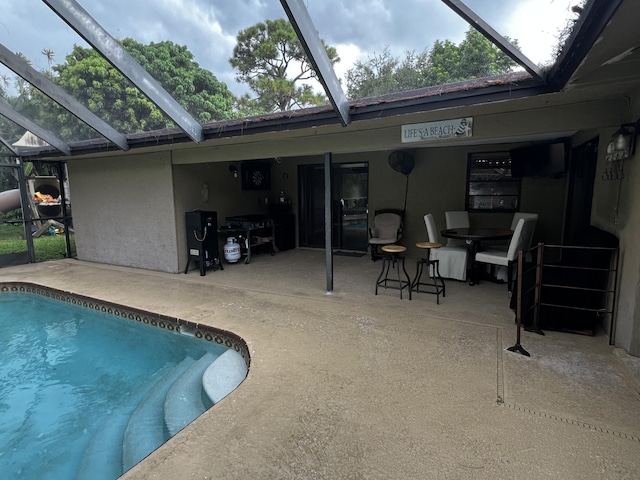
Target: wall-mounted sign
{"type": "Point", "coordinates": [425, 132]}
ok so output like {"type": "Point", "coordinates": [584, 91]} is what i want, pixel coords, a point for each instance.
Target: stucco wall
{"type": "Point", "coordinates": [438, 183]}
{"type": "Point", "coordinates": [150, 194]}
{"type": "Point", "coordinates": [123, 211]}
{"type": "Point", "coordinates": [616, 209]}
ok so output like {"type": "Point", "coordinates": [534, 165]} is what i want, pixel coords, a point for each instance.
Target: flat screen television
{"type": "Point", "coordinates": [548, 160]}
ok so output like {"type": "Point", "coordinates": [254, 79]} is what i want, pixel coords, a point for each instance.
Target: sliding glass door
{"type": "Point", "coordinates": [350, 201]}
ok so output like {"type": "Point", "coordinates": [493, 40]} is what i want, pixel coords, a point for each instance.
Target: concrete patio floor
{"type": "Point", "coordinates": [357, 386]}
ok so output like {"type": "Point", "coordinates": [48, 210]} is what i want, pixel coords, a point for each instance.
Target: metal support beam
{"type": "Point", "coordinates": [308, 35]}
{"type": "Point", "coordinates": [7, 111]}
{"type": "Point", "coordinates": [502, 43]}
{"type": "Point", "coordinates": [6, 143]}
{"type": "Point", "coordinates": [26, 212]}
{"type": "Point", "coordinates": [96, 36]}
{"type": "Point", "coordinates": [328, 223]}
{"type": "Point", "coordinates": [55, 93]}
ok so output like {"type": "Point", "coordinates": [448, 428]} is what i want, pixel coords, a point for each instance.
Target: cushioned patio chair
{"type": "Point", "coordinates": [504, 245]}
{"type": "Point", "coordinates": [518, 215]}
{"type": "Point", "coordinates": [452, 257]}
{"type": "Point", "coordinates": [522, 236]}
{"type": "Point", "coordinates": [456, 219]}
{"type": "Point", "coordinates": [386, 230]}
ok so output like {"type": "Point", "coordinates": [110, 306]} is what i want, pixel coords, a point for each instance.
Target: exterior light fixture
{"type": "Point", "coordinates": [621, 147]}
{"type": "Point", "coordinates": [622, 140]}
{"type": "Point", "coordinates": [622, 144]}
{"type": "Point", "coordinates": [234, 171]}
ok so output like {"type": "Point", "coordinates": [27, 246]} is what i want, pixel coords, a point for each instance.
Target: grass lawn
{"type": "Point", "coordinates": [47, 247]}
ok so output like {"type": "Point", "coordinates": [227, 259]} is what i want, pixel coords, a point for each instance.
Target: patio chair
{"type": "Point", "coordinates": [452, 257]}
{"type": "Point", "coordinates": [386, 230]}
{"type": "Point", "coordinates": [518, 215]}
{"type": "Point", "coordinates": [504, 245]}
{"type": "Point", "coordinates": [456, 219]}
{"type": "Point", "coordinates": [521, 239]}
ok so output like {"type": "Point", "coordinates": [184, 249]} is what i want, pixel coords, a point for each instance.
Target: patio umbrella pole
{"type": "Point", "coordinates": [517, 347]}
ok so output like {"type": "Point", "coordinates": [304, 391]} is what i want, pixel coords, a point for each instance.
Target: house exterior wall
{"type": "Point", "coordinates": [436, 184]}
{"type": "Point", "coordinates": [123, 211]}
{"type": "Point", "coordinates": [141, 224]}
{"type": "Point", "coordinates": [616, 209]}
{"type": "Point", "coordinates": [628, 332]}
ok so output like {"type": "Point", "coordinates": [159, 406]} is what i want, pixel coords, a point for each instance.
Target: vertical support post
{"type": "Point", "coordinates": [612, 322]}
{"type": "Point", "coordinates": [538, 288]}
{"type": "Point", "coordinates": [62, 176]}
{"type": "Point", "coordinates": [328, 230]}
{"type": "Point", "coordinates": [26, 211]}
{"type": "Point", "coordinates": [518, 347]}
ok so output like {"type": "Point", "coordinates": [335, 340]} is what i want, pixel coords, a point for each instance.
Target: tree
{"type": "Point", "coordinates": [481, 58]}
{"type": "Point", "coordinates": [88, 77]}
{"type": "Point", "coordinates": [385, 73]}
{"type": "Point", "coordinates": [443, 63]}
{"type": "Point", "coordinates": [270, 59]}
{"type": "Point", "coordinates": [374, 77]}
{"type": "Point", "coordinates": [25, 101]}
{"type": "Point", "coordinates": [50, 56]}
{"type": "Point", "coordinates": [4, 84]}
{"type": "Point", "coordinates": [410, 72]}
{"type": "Point", "coordinates": [446, 62]}
{"type": "Point", "coordinates": [196, 89]}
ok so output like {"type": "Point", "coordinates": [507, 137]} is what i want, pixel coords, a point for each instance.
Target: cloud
{"type": "Point", "coordinates": [349, 54]}
{"type": "Point", "coordinates": [358, 29]}
{"type": "Point", "coordinates": [407, 25]}
{"type": "Point", "coordinates": [537, 25]}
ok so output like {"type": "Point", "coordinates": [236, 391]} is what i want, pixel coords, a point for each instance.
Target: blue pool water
{"type": "Point", "coordinates": [69, 376]}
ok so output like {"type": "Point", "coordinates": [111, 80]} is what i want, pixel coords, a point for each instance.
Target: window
{"type": "Point", "coordinates": [490, 186]}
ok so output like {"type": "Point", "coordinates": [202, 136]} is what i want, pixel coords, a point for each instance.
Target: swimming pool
{"type": "Point", "coordinates": [90, 388]}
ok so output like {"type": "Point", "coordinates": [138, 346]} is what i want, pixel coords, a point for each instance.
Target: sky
{"type": "Point", "coordinates": [359, 29]}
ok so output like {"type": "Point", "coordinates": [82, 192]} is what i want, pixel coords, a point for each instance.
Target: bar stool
{"type": "Point", "coordinates": [392, 257]}
{"type": "Point", "coordinates": [432, 286]}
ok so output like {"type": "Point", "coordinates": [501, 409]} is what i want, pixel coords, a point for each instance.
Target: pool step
{"type": "Point", "coordinates": [102, 459]}
{"type": "Point", "coordinates": [145, 429]}
{"type": "Point", "coordinates": [176, 396]}
{"type": "Point", "coordinates": [184, 401]}
{"type": "Point", "coordinates": [224, 375]}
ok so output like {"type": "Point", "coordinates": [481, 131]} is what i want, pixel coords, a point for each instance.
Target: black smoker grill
{"type": "Point", "coordinates": [202, 240]}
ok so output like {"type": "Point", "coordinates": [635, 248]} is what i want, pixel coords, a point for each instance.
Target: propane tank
{"type": "Point", "coordinates": [232, 250]}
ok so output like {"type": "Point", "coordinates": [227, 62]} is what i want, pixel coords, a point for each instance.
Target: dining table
{"type": "Point", "coordinates": [474, 236]}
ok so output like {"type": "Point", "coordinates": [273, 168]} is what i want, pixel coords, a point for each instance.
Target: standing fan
{"type": "Point", "coordinates": [402, 161]}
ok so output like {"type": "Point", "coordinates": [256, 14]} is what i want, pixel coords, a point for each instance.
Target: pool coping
{"type": "Point", "coordinates": [158, 320]}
